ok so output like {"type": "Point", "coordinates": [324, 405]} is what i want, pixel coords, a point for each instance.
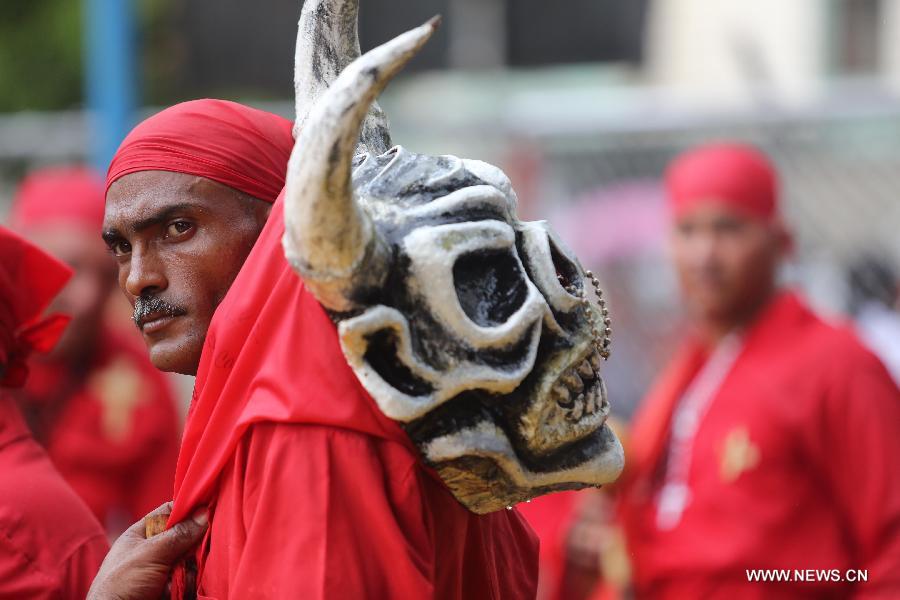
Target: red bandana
{"type": "Point", "coordinates": [730, 174]}
{"type": "Point", "coordinates": [29, 279]}
{"type": "Point", "coordinates": [66, 195]}
{"type": "Point", "coordinates": [235, 145]}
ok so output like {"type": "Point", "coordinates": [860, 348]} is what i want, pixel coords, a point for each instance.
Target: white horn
{"type": "Point", "coordinates": [328, 41]}
{"type": "Point", "coordinates": [329, 238]}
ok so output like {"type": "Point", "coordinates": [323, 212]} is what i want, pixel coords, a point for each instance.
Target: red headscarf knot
{"type": "Point", "coordinates": [29, 279]}
{"type": "Point", "coordinates": [731, 174]}
{"type": "Point", "coordinates": [241, 147]}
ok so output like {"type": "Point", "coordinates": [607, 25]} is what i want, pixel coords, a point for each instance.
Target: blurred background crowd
{"type": "Point", "coordinates": [583, 103]}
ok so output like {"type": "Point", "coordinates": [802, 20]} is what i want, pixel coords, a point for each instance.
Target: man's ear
{"type": "Point", "coordinates": [784, 240]}
{"type": "Point", "coordinates": [261, 211]}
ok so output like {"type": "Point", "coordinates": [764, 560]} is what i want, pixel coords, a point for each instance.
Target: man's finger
{"type": "Point", "coordinates": [162, 509]}
{"type": "Point", "coordinates": [172, 544]}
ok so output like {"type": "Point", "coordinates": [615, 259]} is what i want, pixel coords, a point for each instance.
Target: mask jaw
{"type": "Point", "coordinates": [481, 468]}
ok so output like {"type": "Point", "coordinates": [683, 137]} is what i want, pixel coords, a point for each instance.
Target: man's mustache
{"type": "Point", "coordinates": [149, 304]}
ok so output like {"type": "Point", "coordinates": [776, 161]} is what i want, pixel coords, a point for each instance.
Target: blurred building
{"type": "Point", "coordinates": [475, 34]}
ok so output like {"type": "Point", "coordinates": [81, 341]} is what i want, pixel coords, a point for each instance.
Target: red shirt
{"type": "Point", "coordinates": [113, 433]}
{"type": "Point", "coordinates": [795, 466]}
{"type": "Point", "coordinates": [51, 546]}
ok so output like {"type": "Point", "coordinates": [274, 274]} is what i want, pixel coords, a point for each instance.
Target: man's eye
{"type": "Point", "coordinates": [177, 228]}
{"type": "Point", "coordinates": [729, 226]}
{"type": "Point", "coordinates": [120, 248]}
{"type": "Point", "coordinates": [685, 229]}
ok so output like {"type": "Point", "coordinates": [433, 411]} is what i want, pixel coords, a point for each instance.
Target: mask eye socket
{"type": "Point", "coordinates": [551, 265]}
{"type": "Point", "coordinates": [567, 272]}
{"type": "Point", "coordinates": [490, 286]}
{"type": "Point", "coordinates": [470, 278]}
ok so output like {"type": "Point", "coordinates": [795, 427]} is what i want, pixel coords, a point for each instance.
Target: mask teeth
{"type": "Point", "coordinates": [602, 335]}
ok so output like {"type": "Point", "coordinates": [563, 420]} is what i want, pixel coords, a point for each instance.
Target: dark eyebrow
{"type": "Point", "coordinates": [160, 217]}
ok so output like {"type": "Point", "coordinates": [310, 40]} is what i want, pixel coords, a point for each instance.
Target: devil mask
{"type": "Point", "coordinates": [469, 327]}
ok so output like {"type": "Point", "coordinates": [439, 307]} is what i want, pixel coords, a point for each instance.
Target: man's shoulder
{"type": "Point", "coordinates": [275, 462]}
{"type": "Point", "coordinates": [835, 344]}
{"type": "Point", "coordinates": [819, 352]}
{"type": "Point", "coordinates": [827, 340]}
{"type": "Point", "coordinates": [32, 490]}
{"type": "Point", "coordinates": [274, 437]}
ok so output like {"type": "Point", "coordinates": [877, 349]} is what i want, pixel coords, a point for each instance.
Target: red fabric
{"type": "Point", "coordinates": [551, 517]}
{"type": "Point", "coordinates": [235, 145]}
{"type": "Point", "coordinates": [50, 545]}
{"type": "Point", "coordinates": [67, 195]}
{"type": "Point", "coordinates": [821, 491]}
{"type": "Point", "coordinates": [731, 174]}
{"type": "Point", "coordinates": [29, 278]}
{"type": "Point", "coordinates": [314, 492]}
{"type": "Point", "coordinates": [113, 432]}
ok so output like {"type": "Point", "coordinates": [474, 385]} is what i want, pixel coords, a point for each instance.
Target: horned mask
{"type": "Point", "coordinates": [469, 327]}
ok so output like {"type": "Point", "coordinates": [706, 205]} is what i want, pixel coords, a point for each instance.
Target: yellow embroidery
{"type": "Point", "coordinates": [739, 454]}
{"type": "Point", "coordinates": [118, 388]}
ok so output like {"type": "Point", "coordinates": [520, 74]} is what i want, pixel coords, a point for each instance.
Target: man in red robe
{"type": "Point", "coordinates": [107, 418]}
{"type": "Point", "coordinates": [771, 441]}
{"type": "Point", "coordinates": [312, 492]}
{"type": "Point", "coordinates": [50, 544]}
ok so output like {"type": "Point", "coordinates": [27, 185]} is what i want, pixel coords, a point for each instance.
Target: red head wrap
{"type": "Point", "coordinates": [70, 195]}
{"type": "Point", "coordinates": [730, 174]}
{"type": "Point", "coordinates": [235, 145]}
{"type": "Point", "coordinates": [29, 279]}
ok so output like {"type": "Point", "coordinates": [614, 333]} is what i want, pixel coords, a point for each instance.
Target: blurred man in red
{"type": "Point", "coordinates": [106, 417]}
{"type": "Point", "coordinates": [772, 439]}
{"type": "Point", "coordinates": [50, 544]}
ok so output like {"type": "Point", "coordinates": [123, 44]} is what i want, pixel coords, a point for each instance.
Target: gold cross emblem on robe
{"type": "Point", "coordinates": [739, 454]}
{"type": "Point", "coordinates": [118, 387]}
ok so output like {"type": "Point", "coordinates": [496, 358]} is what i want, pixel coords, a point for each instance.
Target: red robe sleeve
{"type": "Point", "coordinates": [854, 442]}
{"type": "Point", "coordinates": [51, 546]}
{"type": "Point", "coordinates": [24, 576]}
{"type": "Point", "coordinates": [342, 509]}
{"type": "Point", "coordinates": [81, 567]}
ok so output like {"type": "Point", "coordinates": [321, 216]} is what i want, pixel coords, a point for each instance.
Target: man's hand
{"type": "Point", "coordinates": [138, 568]}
